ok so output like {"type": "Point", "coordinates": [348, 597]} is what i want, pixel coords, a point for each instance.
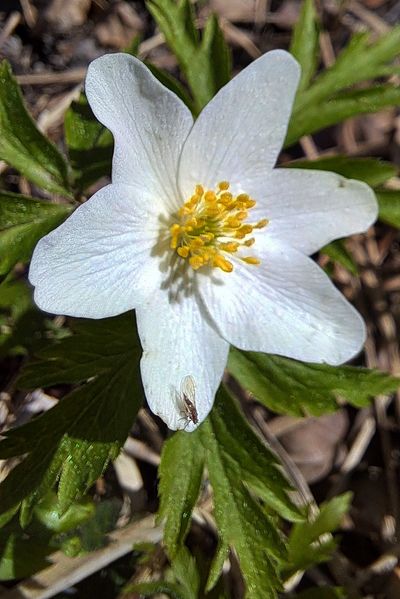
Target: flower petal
{"type": "Point", "coordinates": [308, 208]}
{"type": "Point", "coordinates": [286, 306]}
{"type": "Point", "coordinates": [239, 134]}
{"type": "Point", "coordinates": [177, 341]}
{"type": "Point", "coordinates": [99, 262]}
{"type": "Point", "coordinates": [149, 124]}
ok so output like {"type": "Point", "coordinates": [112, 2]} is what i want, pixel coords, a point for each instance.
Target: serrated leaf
{"type": "Point", "coordinates": [370, 170]}
{"type": "Point", "coordinates": [389, 206]}
{"type": "Point", "coordinates": [339, 108]}
{"type": "Point", "coordinates": [205, 62]}
{"type": "Point", "coordinates": [186, 572]}
{"type": "Point", "coordinates": [180, 472]}
{"type": "Point", "coordinates": [307, 544]}
{"type": "Point", "coordinates": [22, 145]}
{"type": "Point", "coordinates": [337, 252]}
{"type": "Point", "coordinates": [90, 145]}
{"type": "Point", "coordinates": [299, 388]}
{"type": "Point", "coordinates": [304, 45]}
{"type": "Point", "coordinates": [242, 523]}
{"type": "Point", "coordinates": [351, 67]}
{"type": "Point", "coordinates": [75, 440]}
{"type": "Point", "coordinates": [23, 221]}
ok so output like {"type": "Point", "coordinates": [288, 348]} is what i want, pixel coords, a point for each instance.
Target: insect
{"type": "Point", "coordinates": [188, 399]}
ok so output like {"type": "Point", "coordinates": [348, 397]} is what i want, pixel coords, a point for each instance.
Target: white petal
{"type": "Point", "coordinates": [149, 124]}
{"type": "Point", "coordinates": [308, 208]}
{"type": "Point", "coordinates": [240, 132]}
{"type": "Point", "coordinates": [287, 306]}
{"type": "Point", "coordinates": [100, 261]}
{"type": "Point", "coordinates": [177, 342]}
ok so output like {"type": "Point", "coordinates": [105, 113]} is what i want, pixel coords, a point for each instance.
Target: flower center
{"type": "Point", "coordinates": [212, 226]}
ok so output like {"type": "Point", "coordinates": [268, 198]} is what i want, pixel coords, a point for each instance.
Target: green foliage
{"type": "Point", "coordinates": [327, 100]}
{"type": "Point", "coordinates": [337, 252]}
{"type": "Point", "coordinates": [80, 528]}
{"type": "Point", "coordinates": [309, 541]}
{"type": "Point", "coordinates": [299, 388]}
{"type": "Point", "coordinates": [242, 522]}
{"type": "Point", "coordinates": [23, 221]}
{"type": "Point", "coordinates": [239, 466]}
{"type": "Point", "coordinates": [304, 45]}
{"type": "Point", "coordinates": [205, 62]}
{"type": "Point", "coordinates": [22, 145]}
{"type": "Point", "coordinates": [90, 145]}
{"type": "Point", "coordinates": [21, 325]}
{"type": "Point", "coordinates": [74, 441]}
{"type": "Point", "coordinates": [372, 171]}
{"type": "Point", "coordinates": [389, 206]}
{"type": "Point", "coordinates": [341, 107]}
{"type": "Point", "coordinates": [150, 589]}
{"type": "Point", "coordinates": [180, 472]}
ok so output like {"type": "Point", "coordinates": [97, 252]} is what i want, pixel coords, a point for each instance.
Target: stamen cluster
{"type": "Point", "coordinates": [212, 225]}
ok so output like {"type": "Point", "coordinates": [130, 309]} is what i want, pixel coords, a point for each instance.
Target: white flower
{"type": "Point", "coordinates": [202, 236]}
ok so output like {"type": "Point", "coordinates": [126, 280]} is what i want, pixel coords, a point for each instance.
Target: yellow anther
{"type": "Point", "coordinates": [261, 223]}
{"type": "Point", "coordinates": [251, 260]}
{"type": "Point", "coordinates": [196, 243]}
{"type": "Point", "coordinates": [183, 251]}
{"type": "Point", "coordinates": [226, 197]}
{"type": "Point", "coordinates": [222, 263]}
{"type": "Point", "coordinates": [196, 262]}
{"type": "Point", "coordinates": [210, 196]}
{"type": "Point", "coordinates": [211, 225]}
{"type": "Point", "coordinates": [199, 190]}
{"type": "Point", "coordinates": [233, 222]}
{"type": "Point", "coordinates": [229, 246]}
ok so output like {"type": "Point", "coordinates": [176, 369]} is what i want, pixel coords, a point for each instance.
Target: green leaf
{"type": "Point", "coordinates": [22, 145]}
{"type": "Point", "coordinates": [185, 570]}
{"type": "Point", "coordinates": [150, 589]}
{"type": "Point", "coordinates": [351, 67]}
{"type": "Point", "coordinates": [370, 170]}
{"type": "Point", "coordinates": [337, 252]}
{"type": "Point", "coordinates": [287, 386]}
{"type": "Point", "coordinates": [304, 45]}
{"type": "Point", "coordinates": [90, 145]}
{"type": "Point", "coordinates": [22, 325]}
{"type": "Point", "coordinates": [47, 512]}
{"type": "Point", "coordinates": [74, 441]}
{"type": "Point", "coordinates": [242, 522]}
{"type": "Point", "coordinates": [23, 221]}
{"type": "Point", "coordinates": [339, 108]}
{"type": "Point", "coordinates": [309, 543]}
{"type": "Point", "coordinates": [205, 62]}
{"type": "Point", "coordinates": [171, 83]}
{"type": "Point", "coordinates": [21, 557]}
{"type": "Point", "coordinates": [389, 206]}
{"type": "Point", "coordinates": [180, 472]}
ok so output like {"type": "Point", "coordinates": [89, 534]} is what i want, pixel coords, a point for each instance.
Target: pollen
{"type": "Point", "coordinates": [212, 226]}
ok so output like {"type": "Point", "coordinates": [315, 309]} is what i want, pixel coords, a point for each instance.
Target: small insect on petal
{"type": "Point", "coordinates": [188, 399]}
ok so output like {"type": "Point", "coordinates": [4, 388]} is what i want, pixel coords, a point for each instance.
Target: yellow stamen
{"type": "Point", "coordinates": [212, 225]}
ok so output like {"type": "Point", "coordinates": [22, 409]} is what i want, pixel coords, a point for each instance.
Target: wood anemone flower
{"type": "Point", "coordinates": [203, 236]}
